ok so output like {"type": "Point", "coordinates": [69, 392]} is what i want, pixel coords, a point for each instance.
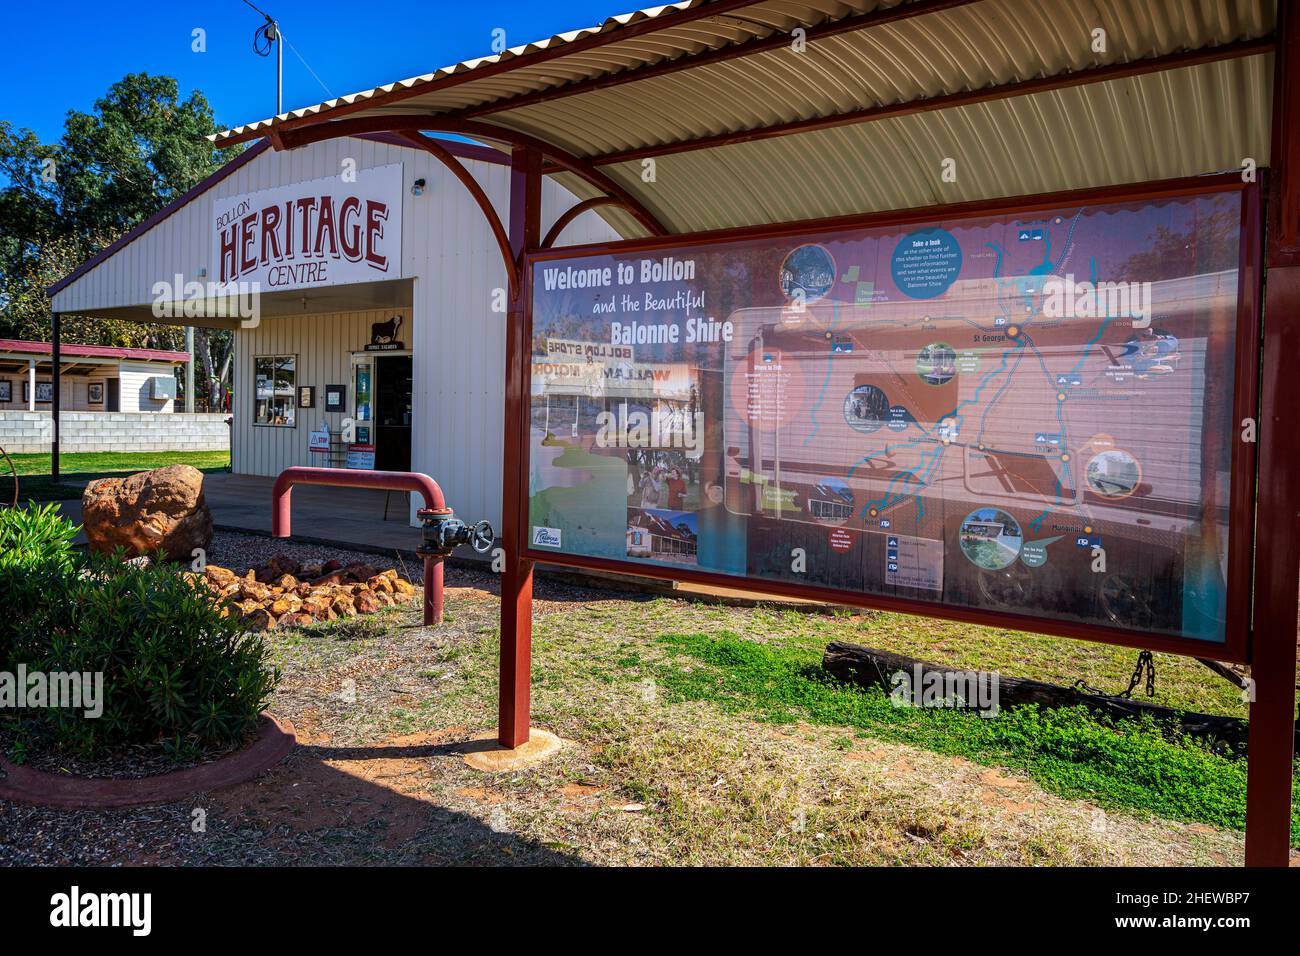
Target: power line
{"type": "Point", "coordinates": [327, 90]}
{"type": "Point", "coordinates": [269, 33]}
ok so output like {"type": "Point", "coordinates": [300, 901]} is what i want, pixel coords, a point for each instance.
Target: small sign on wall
{"type": "Point", "coordinates": [306, 396]}
{"type": "Point", "coordinates": [6, 390]}
{"type": "Point", "coordinates": [44, 391]}
{"type": "Point", "coordinates": [361, 457]}
{"type": "Point", "coordinates": [95, 393]}
{"type": "Point", "coordinates": [319, 440]}
{"type": "Point", "coordinates": [336, 398]}
{"type": "Point", "coordinates": [383, 336]}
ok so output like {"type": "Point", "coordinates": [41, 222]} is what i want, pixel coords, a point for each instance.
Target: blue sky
{"type": "Point", "coordinates": [63, 54]}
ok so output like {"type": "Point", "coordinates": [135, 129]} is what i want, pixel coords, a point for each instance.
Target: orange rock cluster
{"type": "Point", "coordinates": [283, 593]}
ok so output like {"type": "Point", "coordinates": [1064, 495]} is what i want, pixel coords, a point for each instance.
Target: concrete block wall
{"type": "Point", "coordinates": [28, 432]}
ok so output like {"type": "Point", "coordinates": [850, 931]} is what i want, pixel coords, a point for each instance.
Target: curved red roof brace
{"type": "Point", "coordinates": [444, 156]}
{"type": "Point", "coordinates": [419, 123]}
{"type": "Point", "coordinates": [572, 213]}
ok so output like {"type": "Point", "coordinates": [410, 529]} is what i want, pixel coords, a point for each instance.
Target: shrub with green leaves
{"type": "Point", "coordinates": [36, 554]}
{"type": "Point", "coordinates": [175, 670]}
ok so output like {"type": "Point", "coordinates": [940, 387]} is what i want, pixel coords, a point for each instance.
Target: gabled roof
{"type": "Point", "coordinates": [463, 150]}
{"type": "Point", "coordinates": [1022, 95]}
{"type": "Point", "coordinates": [24, 347]}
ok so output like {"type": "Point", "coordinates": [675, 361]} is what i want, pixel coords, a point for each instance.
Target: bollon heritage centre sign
{"type": "Point", "coordinates": [331, 231]}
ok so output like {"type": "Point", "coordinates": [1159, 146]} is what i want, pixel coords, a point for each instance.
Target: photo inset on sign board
{"type": "Point", "coordinates": [991, 538]}
{"type": "Point", "coordinates": [937, 363]}
{"type": "Point", "coordinates": [658, 535]}
{"type": "Point", "coordinates": [807, 274]}
{"type": "Point", "coordinates": [662, 478]}
{"type": "Point", "coordinates": [866, 408]}
{"type": "Point", "coordinates": [1114, 474]}
{"type": "Point", "coordinates": [830, 501]}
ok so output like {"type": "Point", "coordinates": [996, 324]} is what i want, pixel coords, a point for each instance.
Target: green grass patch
{"type": "Point", "coordinates": [78, 468]}
{"type": "Point", "coordinates": [1132, 765]}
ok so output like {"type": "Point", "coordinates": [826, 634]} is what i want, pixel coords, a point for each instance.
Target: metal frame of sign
{"type": "Point", "coordinates": [1241, 522]}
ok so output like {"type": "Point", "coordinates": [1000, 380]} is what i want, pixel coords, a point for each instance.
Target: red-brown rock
{"type": "Point", "coordinates": [154, 510]}
{"type": "Point", "coordinates": [366, 602]}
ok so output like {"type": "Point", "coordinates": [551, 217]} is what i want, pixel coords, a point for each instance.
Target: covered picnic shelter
{"type": "Point", "coordinates": [721, 116]}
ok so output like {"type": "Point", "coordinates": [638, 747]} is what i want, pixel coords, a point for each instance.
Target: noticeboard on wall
{"type": "Point", "coordinates": [1025, 417]}
{"type": "Point", "coordinates": [361, 457]}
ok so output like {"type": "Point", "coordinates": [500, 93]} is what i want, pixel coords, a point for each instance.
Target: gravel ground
{"type": "Point", "coordinates": [239, 552]}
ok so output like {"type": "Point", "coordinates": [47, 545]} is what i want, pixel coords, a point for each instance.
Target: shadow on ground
{"type": "Point", "coordinates": [363, 805]}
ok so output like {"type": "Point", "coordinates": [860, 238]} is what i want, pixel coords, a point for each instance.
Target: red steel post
{"type": "Point", "coordinates": [1271, 741]}
{"type": "Point", "coordinates": [517, 577]}
{"type": "Point", "coordinates": [381, 480]}
{"type": "Point", "coordinates": [432, 591]}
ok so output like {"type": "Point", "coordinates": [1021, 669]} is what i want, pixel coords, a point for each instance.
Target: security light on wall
{"type": "Point", "coordinates": [417, 187]}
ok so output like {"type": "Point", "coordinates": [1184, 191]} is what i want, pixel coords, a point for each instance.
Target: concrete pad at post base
{"type": "Point", "coordinates": [482, 752]}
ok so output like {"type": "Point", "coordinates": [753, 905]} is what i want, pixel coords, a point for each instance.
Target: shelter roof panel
{"type": "Point", "coordinates": [696, 84]}
{"type": "Point", "coordinates": [1080, 137]}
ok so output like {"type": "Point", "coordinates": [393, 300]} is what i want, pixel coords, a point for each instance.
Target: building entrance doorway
{"type": "Point", "coordinates": [393, 379]}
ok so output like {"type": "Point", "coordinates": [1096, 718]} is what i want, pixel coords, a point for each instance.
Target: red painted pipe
{"type": "Point", "coordinates": [380, 480]}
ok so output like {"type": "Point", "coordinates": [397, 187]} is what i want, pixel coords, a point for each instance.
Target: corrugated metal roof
{"type": "Point", "coordinates": [1185, 121]}
{"type": "Point", "coordinates": [24, 347]}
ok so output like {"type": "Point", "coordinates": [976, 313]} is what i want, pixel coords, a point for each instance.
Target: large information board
{"type": "Point", "coordinates": [1026, 414]}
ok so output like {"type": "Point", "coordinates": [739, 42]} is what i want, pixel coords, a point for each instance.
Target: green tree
{"type": "Point", "coordinates": [138, 149]}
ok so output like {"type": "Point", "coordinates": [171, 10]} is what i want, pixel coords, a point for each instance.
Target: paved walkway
{"type": "Point", "coordinates": [344, 516]}
{"type": "Point", "coordinates": [350, 517]}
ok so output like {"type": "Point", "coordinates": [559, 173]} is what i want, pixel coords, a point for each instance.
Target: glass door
{"type": "Point", "coordinates": [363, 397]}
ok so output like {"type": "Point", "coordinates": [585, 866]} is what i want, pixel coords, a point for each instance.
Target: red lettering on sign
{"type": "Point", "coordinates": [247, 236]}
{"type": "Point", "coordinates": [841, 540]}
{"type": "Point", "coordinates": [350, 235]}
{"type": "Point", "coordinates": [270, 238]}
{"type": "Point", "coordinates": [376, 216]}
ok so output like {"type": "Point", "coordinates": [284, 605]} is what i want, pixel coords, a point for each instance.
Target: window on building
{"type": "Point", "coordinates": [274, 389]}
{"type": "Point", "coordinates": [835, 510]}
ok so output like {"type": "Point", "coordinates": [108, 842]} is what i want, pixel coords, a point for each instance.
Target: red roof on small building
{"type": "Point", "coordinates": [92, 351]}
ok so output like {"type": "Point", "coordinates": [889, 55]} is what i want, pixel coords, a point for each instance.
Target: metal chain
{"type": "Point", "coordinates": [1146, 664]}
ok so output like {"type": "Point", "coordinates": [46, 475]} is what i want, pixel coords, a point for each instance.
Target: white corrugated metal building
{"type": "Point", "coordinates": [435, 385]}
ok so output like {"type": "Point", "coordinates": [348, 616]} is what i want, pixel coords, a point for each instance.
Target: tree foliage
{"type": "Point", "coordinates": [140, 147]}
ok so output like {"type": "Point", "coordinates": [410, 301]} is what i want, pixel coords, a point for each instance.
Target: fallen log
{"type": "Point", "coordinates": [868, 667]}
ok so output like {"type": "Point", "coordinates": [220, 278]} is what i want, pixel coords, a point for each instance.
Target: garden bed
{"type": "Point", "coordinates": [129, 778]}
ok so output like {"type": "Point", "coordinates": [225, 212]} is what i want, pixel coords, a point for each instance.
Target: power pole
{"type": "Point", "coordinates": [189, 369]}
{"type": "Point", "coordinates": [267, 34]}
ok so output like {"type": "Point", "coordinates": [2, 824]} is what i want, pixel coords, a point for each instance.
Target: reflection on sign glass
{"type": "Point", "coordinates": [1021, 414]}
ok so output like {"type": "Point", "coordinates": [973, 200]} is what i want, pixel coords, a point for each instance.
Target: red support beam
{"type": "Point", "coordinates": [776, 41]}
{"type": "Point", "coordinates": [1041, 84]}
{"type": "Point", "coordinates": [572, 213]}
{"type": "Point", "coordinates": [420, 123]}
{"type": "Point", "coordinates": [444, 156]}
{"type": "Point", "coordinates": [517, 577]}
{"type": "Point", "coordinates": [1271, 742]}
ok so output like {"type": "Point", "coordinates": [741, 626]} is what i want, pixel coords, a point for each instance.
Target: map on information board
{"type": "Point", "coordinates": [1018, 413]}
